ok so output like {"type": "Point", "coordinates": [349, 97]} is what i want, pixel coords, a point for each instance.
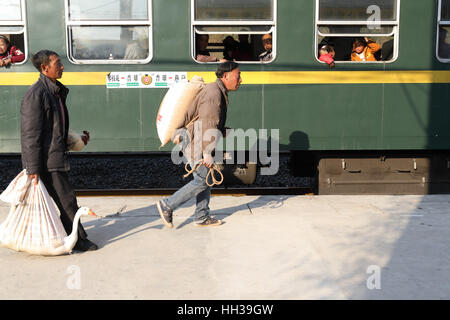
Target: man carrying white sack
{"type": "Point", "coordinates": [44, 131]}
{"type": "Point", "coordinates": [208, 113]}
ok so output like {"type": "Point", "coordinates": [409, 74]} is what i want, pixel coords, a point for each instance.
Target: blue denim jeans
{"type": "Point", "coordinates": [195, 188]}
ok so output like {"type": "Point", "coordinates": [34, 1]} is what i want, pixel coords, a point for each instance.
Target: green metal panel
{"type": "Point", "coordinates": [310, 117]}
{"type": "Point", "coordinates": [322, 117]}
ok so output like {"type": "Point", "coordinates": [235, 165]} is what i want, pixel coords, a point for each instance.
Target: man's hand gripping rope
{"type": "Point", "coordinates": [212, 167]}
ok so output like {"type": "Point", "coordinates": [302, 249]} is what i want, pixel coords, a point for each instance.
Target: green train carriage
{"type": "Point", "coordinates": [362, 127]}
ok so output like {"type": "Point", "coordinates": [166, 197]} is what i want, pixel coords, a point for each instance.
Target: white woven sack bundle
{"type": "Point", "coordinates": [74, 141]}
{"type": "Point", "coordinates": [174, 106]}
{"type": "Point", "coordinates": [16, 190]}
{"type": "Point", "coordinates": [33, 224]}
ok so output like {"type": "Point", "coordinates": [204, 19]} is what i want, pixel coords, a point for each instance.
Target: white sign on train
{"type": "Point", "coordinates": [144, 79]}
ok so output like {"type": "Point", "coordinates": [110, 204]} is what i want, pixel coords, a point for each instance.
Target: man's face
{"type": "Point", "coordinates": [202, 42]}
{"type": "Point", "coordinates": [54, 69]}
{"type": "Point", "coordinates": [267, 42]}
{"type": "Point", "coordinates": [232, 80]}
{"type": "Point", "coordinates": [243, 38]}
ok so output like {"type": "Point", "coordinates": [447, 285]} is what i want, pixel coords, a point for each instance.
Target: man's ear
{"type": "Point", "coordinates": [44, 67]}
{"type": "Point", "coordinates": [225, 76]}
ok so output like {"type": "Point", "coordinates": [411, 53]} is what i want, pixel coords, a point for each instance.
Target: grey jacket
{"type": "Point", "coordinates": [43, 138]}
{"type": "Point", "coordinates": [210, 106]}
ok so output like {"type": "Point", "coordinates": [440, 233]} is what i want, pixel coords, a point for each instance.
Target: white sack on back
{"type": "Point", "coordinates": [74, 141]}
{"type": "Point", "coordinates": [33, 225]}
{"type": "Point", "coordinates": [174, 106]}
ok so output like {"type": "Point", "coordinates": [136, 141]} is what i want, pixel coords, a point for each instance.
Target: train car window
{"type": "Point", "coordinates": [220, 10]}
{"type": "Point", "coordinates": [109, 31]}
{"type": "Point", "coordinates": [233, 30]}
{"type": "Point", "coordinates": [13, 31]}
{"type": "Point", "coordinates": [443, 31]}
{"type": "Point", "coordinates": [357, 31]}
{"type": "Point", "coordinates": [356, 10]}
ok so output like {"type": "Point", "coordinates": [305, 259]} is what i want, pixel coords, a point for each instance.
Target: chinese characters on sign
{"type": "Point", "coordinates": [144, 79]}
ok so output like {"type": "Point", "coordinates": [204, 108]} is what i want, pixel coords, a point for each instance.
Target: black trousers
{"type": "Point", "coordinates": [61, 191]}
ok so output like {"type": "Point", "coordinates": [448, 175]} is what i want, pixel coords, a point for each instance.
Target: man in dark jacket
{"type": "Point", "coordinates": [44, 130]}
{"type": "Point", "coordinates": [208, 112]}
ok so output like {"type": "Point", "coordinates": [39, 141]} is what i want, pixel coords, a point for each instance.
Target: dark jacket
{"type": "Point", "coordinates": [43, 137]}
{"type": "Point", "coordinates": [209, 108]}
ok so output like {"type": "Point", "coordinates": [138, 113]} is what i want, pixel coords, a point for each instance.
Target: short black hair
{"type": "Point", "coordinates": [226, 67]}
{"type": "Point", "coordinates": [42, 58]}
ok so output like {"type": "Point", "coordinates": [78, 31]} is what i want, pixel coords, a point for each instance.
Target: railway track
{"type": "Point", "coordinates": [153, 175]}
{"type": "Point", "coordinates": [214, 191]}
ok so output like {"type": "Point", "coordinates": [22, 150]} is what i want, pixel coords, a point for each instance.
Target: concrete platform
{"type": "Point", "coordinates": [270, 247]}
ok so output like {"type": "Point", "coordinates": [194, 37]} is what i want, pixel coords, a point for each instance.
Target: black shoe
{"type": "Point", "coordinates": [85, 245]}
{"type": "Point", "coordinates": [209, 222]}
{"type": "Point", "coordinates": [165, 212]}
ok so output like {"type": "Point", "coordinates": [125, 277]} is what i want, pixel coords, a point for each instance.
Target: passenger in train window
{"type": "Point", "coordinates": [229, 45]}
{"type": "Point", "coordinates": [135, 51]}
{"type": "Point", "coordinates": [9, 53]}
{"type": "Point", "coordinates": [387, 50]}
{"type": "Point", "coordinates": [201, 52]}
{"type": "Point", "coordinates": [243, 51]}
{"type": "Point", "coordinates": [326, 54]}
{"type": "Point", "coordinates": [342, 47]}
{"type": "Point", "coordinates": [266, 40]}
{"type": "Point", "coordinates": [138, 48]}
{"type": "Point", "coordinates": [365, 50]}
{"type": "Point", "coordinates": [444, 47]}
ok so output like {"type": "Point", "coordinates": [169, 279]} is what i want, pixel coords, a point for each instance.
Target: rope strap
{"type": "Point", "coordinates": [210, 173]}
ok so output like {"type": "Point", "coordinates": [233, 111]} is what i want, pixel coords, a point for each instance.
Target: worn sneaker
{"type": "Point", "coordinates": [209, 222]}
{"type": "Point", "coordinates": [165, 212]}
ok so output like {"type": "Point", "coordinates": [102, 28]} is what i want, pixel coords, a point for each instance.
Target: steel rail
{"type": "Point", "coordinates": [214, 191]}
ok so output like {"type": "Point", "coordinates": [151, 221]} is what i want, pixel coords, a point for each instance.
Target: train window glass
{"type": "Point", "coordinates": [239, 30]}
{"type": "Point", "coordinates": [445, 10]}
{"type": "Point", "coordinates": [443, 32]}
{"type": "Point", "coordinates": [12, 25]}
{"type": "Point", "coordinates": [357, 31]}
{"type": "Point", "coordinates": [334, 30]}
{"type": "Point", "coordinates": [356, 10]}
{"type": "Point", "coordinates": [11, 10]}
{"type": "Point", "coordinates": [232, 29]}
{"type": "Point", "coordinates": [109, 32]}
{"type": "Point", "coordinates": [108, 10]}
{"type": "Point", "coordinates": [220, 10]}
{"type": "Point", "coordinates": [88, 40]}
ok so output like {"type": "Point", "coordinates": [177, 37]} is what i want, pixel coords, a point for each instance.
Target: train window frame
{"type": "Point", "coordinates": [440, 23]}
{"type": "Point", "coordinates": [395, 24]}
{"type": "Point", "coordinates": [22, 24]}
{"type": "Point", "coordinates": [244, 24]}
{"type": "Point", "coordinates": [109, 23]}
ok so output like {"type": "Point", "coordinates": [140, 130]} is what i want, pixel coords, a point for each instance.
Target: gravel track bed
{"type": "Point", "coordinates": [142, 172]}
